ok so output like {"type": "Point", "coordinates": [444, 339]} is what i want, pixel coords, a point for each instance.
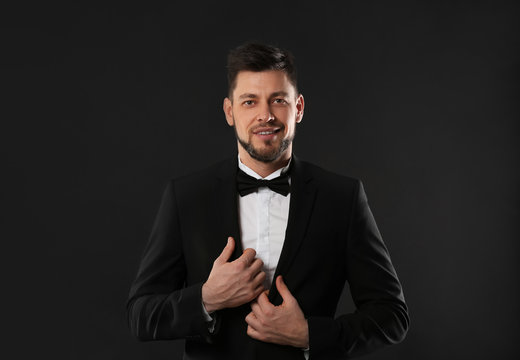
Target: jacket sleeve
{"type": "Point", "coordinates": [160, 305]}
{"type": "Point", "coordinates": [381, 316]}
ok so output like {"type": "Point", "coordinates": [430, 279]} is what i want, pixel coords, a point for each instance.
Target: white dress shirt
{"type": "Point", "coordinates": [263, 219]}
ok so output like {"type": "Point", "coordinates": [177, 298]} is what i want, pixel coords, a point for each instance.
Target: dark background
{"type": "Point", "coordinates": [101, 105]}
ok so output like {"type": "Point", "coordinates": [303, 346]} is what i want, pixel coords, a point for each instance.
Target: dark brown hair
{"type": "Point", "coordinates": [259, 57]}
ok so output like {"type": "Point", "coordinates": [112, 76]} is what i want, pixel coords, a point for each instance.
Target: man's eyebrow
{"type": "Point", "coordinates": [248, 96]}
{"type": "Point", "coordinates": [254, 96]}
{"type": "Point", "coordinates": [280, 93]}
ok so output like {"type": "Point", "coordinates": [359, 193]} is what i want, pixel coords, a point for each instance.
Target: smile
{"type": "Point", "coordinates": [266, 131]}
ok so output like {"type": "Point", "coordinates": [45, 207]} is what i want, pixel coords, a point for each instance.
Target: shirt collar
{"type": "Point", "coordinates": [271, 176]}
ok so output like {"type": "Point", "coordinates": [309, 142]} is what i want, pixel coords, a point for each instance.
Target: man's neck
{"type": "Point", "coordinates": [264, 168]}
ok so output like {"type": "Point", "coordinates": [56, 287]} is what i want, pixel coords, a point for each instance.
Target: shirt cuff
{"type": "Point", "coordinates": [306, 353]}
{"type": "Point", "coordinates": [210, 320]}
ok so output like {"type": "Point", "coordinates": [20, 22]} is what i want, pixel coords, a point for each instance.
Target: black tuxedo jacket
{"type": "Point", "coordinates": [331, 238]}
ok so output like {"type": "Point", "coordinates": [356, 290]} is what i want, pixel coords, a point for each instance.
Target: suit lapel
{"type": "Point", "coordinates": [303, 193]}
{"type": "Point", "coordinates": [226, 208]}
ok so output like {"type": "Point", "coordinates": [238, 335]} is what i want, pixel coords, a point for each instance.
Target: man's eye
{"type": "Point", "coordinates": [279, 101]}
{"type": "Point", "coordinates": [248, 102]}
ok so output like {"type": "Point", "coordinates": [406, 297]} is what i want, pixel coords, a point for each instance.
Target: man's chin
{"type": "Point", "coordinates": [266, 152]}
{"type": "Point", "coordinates": [265, 156]}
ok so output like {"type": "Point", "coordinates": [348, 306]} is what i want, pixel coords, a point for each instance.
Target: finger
{"type": "Point", "coordinates": [256, 266]}
{"type": "Point", "coordinates": [258, 290]}
{"type": "Point", "coordinates": [252, 332]}
{"type": "Point", "coordinates": [227, 252]}
{"type": "Point", "coordinates": [256, 309]}
{"type": "Point", "coordinates": [264, 303]}
{"type": "Point", "coordinates": [247, 256]}
{"type": "Point", "coordinates": [252, 320]}
{"type": "Point", "coordinates": [259, 279]}
{"type": "Point", "coordinates": [283, 289]}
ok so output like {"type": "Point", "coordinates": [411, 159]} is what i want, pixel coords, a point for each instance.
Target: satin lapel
{"type": "Point", "coordinates": [303, 193]}
{"type": "Point", "coordinates": [226, 208]}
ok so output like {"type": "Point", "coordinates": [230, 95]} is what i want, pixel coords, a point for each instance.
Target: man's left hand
{"type": "Point", "coordinates": [284, 324]}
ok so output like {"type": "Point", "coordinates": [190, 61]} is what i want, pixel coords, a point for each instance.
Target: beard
{"type": "Point", "coordinates": [265, 155]}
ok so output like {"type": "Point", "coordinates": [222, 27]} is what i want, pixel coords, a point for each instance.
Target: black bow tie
{"type": "Point", "coordinates": [247, 184]}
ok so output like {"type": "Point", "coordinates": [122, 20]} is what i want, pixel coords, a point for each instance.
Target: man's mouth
{"type": "Point", "coordinates": [266, 131]}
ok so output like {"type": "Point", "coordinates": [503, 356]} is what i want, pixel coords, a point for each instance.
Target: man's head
{"type": "Point", "coordinates": [263, 104]}
{"type": "Point", "coordinates": [259, 57]}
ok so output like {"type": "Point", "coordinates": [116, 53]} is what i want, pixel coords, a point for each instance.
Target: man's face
{"type": "Point", "coordinates": [264, 110]}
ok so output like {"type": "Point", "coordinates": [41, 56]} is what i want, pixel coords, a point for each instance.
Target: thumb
{"type": "Point", "coordinates": [227, 252]}
{"type": "Point", "coordinates": [283, 289]}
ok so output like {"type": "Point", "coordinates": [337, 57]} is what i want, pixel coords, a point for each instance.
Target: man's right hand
{"type": "Point", "coordinates": [231, 284]}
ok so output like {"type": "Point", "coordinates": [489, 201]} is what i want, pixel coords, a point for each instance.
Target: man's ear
{"type": "Point", "coordinates": [228, 111]}
{"type": "Point", "coordinates": [300, 104]}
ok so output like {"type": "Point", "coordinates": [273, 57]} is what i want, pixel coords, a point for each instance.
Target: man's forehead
{"type": "Point", "coordinates": [247, 76]}
{"type": "Point", "coordinates": [274, 82]}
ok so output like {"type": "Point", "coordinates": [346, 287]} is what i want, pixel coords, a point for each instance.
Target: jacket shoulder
{"type": "Point", "coordinates": [205, 175]}
{"type": "Point", "coordinates": [199, 186]}
{"type": "Point", "coordinates": [326, 179]}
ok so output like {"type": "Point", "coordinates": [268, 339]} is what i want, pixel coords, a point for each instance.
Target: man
{"type": "Point", "coordinates": [305, 232]}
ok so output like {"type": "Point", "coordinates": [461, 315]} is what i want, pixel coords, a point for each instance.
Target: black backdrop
{"type": "Point", "coordinates": [102, 104]}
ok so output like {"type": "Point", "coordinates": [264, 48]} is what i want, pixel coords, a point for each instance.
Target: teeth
{"type": "Point", "coordinates": [267, 132]}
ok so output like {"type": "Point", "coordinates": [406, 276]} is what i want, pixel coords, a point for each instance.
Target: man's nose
{"type": "Point", "coordinates": [264, 113]}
